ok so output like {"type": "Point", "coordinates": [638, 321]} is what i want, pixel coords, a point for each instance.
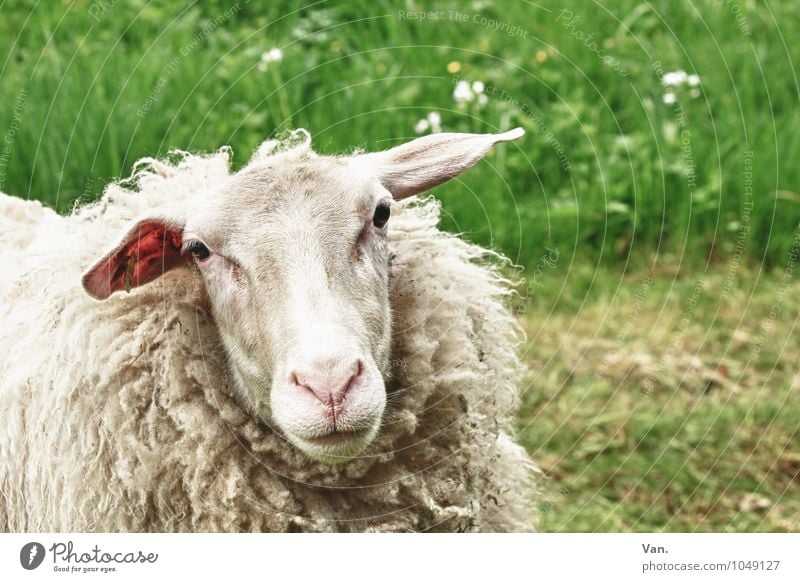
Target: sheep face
{"type": "Point", "coordinates": [294, 257]}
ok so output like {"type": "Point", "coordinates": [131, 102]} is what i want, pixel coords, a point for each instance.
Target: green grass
{"type": "Point", "coordinates": [362, 74]}
{"type": "Point", "coordinates": [639, 421]}
{"type": "Point", "coordinates": [680, 414]}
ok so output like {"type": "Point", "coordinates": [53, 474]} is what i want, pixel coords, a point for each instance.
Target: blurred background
{"type": "Point", "coordinates": [652, 207]}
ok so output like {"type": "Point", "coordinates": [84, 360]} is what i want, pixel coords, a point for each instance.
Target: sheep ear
{"type": "Point", "coordinates": [150, 248]}
{"type": "Point", "coordinates": [426, 162]}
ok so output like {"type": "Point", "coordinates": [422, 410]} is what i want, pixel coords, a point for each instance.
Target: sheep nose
{"type": "Point", "coordinates": [329, 379]}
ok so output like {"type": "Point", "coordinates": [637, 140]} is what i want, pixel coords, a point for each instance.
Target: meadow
{"type": "Point", "coordinates": [652, 207]}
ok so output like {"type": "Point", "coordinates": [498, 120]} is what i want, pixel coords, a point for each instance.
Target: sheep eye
{"type": "Point", "coordinates": [198, 250]}
{"type": "Point", "coordinates": [381, 216]}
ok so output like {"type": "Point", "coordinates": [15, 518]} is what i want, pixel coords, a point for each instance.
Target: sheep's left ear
{"type": "Point", "coordinates": [144, 252]}
{"type": "Point", "coordinates": [426, 162]}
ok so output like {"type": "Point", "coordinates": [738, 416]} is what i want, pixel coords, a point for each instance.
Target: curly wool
{"type": "Point", "coordinates": [119, 416]}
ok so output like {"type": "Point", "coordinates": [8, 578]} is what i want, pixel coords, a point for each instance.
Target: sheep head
{"type": "Point", "coordinates": [294, 257]}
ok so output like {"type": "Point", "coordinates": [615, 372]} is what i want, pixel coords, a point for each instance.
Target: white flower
{"type": "Point", "coordinates": [615, 206]}
{"type": "Point", "coordinates": [624, 142]}
{"type": "Point", "coordinates": [466, 92]}
{"type": "Point", "coordinates": [432, 121]}
{"type": "Point", "coordinates": [271, 56]}
{"type": "Point", "coordinates": [668, 98]}
{"type": "Point", "coordinates": [670, 131]}
{"type": "Point", "coordinates": [694, 93]}
{"type": "Point", "coordinates": [422, 126]}
{"type": "Point", "coordinates": [678, 78]}
{"type": "Point", "coordinates": [463, 92]}
{"type": "Point", "coordinates": [674, 78]}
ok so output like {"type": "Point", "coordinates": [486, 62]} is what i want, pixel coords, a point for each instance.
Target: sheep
{"type": "Point", "coordinates": [294, 346]}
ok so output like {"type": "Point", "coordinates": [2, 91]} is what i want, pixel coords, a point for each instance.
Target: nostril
{"type": "Point", "coordinates": [355, 373]}
{"type": "Point", "coordinates": [307, 383]}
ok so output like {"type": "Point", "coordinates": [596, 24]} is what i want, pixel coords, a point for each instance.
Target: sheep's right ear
{"type": "Point", "coordinates": [150, 248]}
{"type": "Point", "coordinates": [428, 161]}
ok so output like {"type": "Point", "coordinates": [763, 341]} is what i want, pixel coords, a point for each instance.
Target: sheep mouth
{"type": "Point", "coordinates": [336, 446]}
{"type": "Point", "coordinates": [338, 437]}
